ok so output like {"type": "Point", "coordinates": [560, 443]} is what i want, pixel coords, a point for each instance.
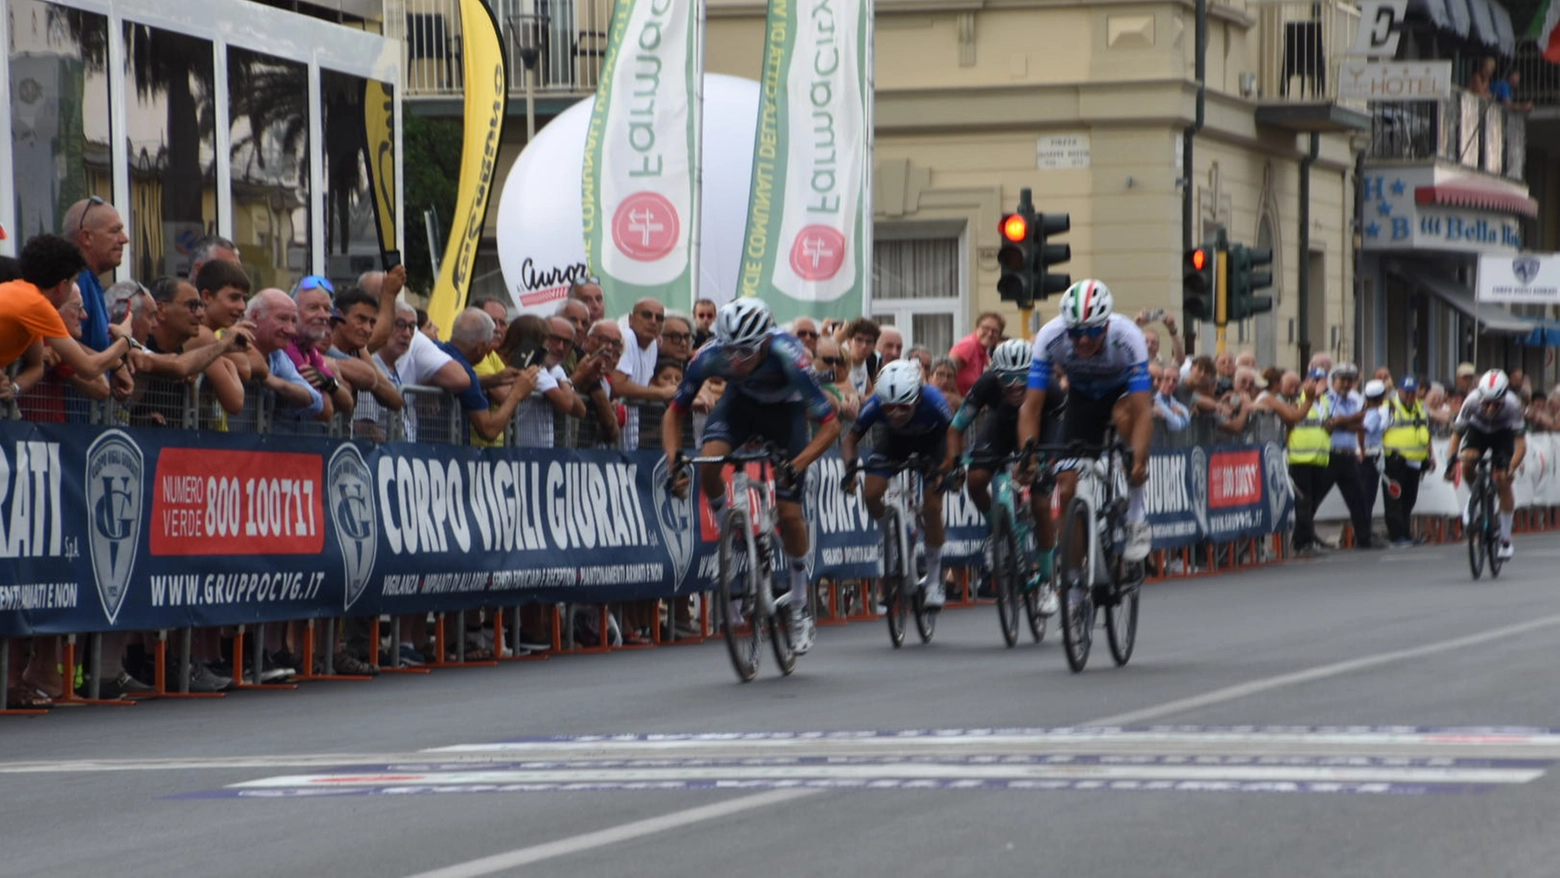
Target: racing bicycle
{"type": "Point", "coordinates": [1482, 524]}
{"type": "Point", "coordinates": [1090, 570]}
{"type": "Point", "coordinates": [902, 532]}
{"type": "Point", "coordinates": [1015, 573]}
{"type": "Point", "coordinates": [752, 569]}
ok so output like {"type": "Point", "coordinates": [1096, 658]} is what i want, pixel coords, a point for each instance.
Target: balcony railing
{"type": "Point", "coordinates": [1464, 129]}
{"type": "Point", "coordinates": [564, 40]}
{"type": "Point", "coordinates": [1301, 45]}
{"type": "Point", "coordinates": [1540, 78]}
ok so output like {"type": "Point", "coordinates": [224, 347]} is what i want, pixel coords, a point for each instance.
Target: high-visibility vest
{"type": "Point", "coordinates": [1409, 434]}
{"type": "Point", "coordinates": [1308, 442]}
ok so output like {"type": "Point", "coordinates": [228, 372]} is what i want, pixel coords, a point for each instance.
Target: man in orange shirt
{"type": "Point", "coordinates": [29, 312]}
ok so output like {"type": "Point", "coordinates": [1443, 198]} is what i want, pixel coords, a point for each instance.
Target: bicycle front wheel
{"type": "Point", "coordinates": [894, 575]}
{"type": "Point", "coordinates": [1004, 573]}
{"type": "Point", "coordinates": [780, 622]}
{"type": "Point", "coordinates": [1121, 620]}
{"type": "Point", "coordinates": [736, 596]}
{"type": "Point", "coordinates": [1476, 527]}
{"type": "Point", "coordinates": [1492, 536]}
{"type": "Point", "coordinates": [1074, 576]}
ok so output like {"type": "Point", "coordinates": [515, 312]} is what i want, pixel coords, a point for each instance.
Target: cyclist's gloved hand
{"type": "Point", "coordinates": [953, 481]}
{"type": "Point", "coordinates": [848, 483]}
{"type": "Point", "coordinates": [677, 478]}
{"type": "Point", "coordinates": [786, 476]}
{"type": "Point", "coordinates": [1451, 466]}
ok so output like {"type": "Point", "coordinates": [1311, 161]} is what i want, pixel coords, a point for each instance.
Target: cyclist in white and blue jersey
{"type": "Point", "coordinates": [1105, 360]}
{"type": "Point", "coordinates": [771, 392]}
{"type": "Point", "coordinates": [1491, 420]}
{"type": "Point", "coordinates": [915, 419]}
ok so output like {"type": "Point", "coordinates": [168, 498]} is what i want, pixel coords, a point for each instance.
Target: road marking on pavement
{"type": "Point", "coordinates": [612, 835]}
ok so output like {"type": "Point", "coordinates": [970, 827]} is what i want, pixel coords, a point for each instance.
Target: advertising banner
{"type": "Point", "coordinates": [809, 204]}
{"type": "Point", "coordinates": [641, 154]}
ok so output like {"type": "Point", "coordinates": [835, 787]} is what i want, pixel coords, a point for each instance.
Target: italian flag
{"type": "Point", "coordinates": [1547, 31]}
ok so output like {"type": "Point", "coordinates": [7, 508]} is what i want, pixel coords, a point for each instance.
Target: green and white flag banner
{"type": "Point", "coordinates": [810, 207]}
{"type": "Point", "coordinates": [641, 152]}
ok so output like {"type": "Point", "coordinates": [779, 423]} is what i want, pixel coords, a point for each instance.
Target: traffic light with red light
{"type": "Point", "coordinates": [1198, 283]}
{"type": "Point", "coordinates": [1016, 254]}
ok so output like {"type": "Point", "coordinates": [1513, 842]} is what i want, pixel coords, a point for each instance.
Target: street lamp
{"type": "Point", "coordinates": [529, 53]}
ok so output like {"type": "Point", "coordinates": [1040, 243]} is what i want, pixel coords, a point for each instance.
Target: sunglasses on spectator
{"type": "Point", "coordinates": [652, 315]}
{"type": "Point", "coordinates": [806, 333]}
{"type": "Point", "coordinates": [561, 339]}
{"type": "Point", "coordinates": [1091, 332]}
{"type": "Point", "coordinates": [315, 282]}
{"type": "Point", "coordinates": [405, 326]}
{"type": "Point", "coordinates": [92, 201]}
{"type": "Point", "coordinates": [832, 361]}
{"type": "Point", "coordinates": [677, 336]}
{"type": "Point", "coordinates": [196, 305]}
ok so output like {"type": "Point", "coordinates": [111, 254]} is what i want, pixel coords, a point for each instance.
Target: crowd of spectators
{"type": "Point", "coordinates": [207, 351]}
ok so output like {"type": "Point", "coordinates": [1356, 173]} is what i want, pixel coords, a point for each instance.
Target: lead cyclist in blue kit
{"type": "Point", "coordinates": [771, 392]}
{"type": "Point", "coordinates": [1105, 359]}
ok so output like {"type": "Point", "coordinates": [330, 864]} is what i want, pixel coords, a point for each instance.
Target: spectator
{"type": "Point", "coordinates": [806, 330]}
{"type": "Point", "coordinates": [553, 390]}
{"type": "Point", "coordinates": [419, 362]}
{"type": "Point", "coordinates": [1384, 375]}
{"type": "Point", "coordinates": [1197, 392]}
{"type": "Point", "coordinates": [1167, 409]}
{"type": "Point", "coordinates": [1272, 377]}
{"type": "Point", "coordinates": [668, 372]}
{"type": "Point", "coordinates": [703, 319]}
{"type": "Point", "coordinates": [861, 336]}
{"type": "Point", "coordinates": [590, 293]}
{"type": "Point", "coordinates": [890, 347]}
{"type": "Point", "coordinates": [95, 227]}
{"type": "Point", "coordinates": [677, 338]}
{"type": "Point", "coordinates": [1482, 80]}
{"type": "Point", "coordinates": [29, 312]}
{"type": "Point", "coordinates": [829, 366]}
{"type": "Point", "coordinates": [314, 296]}
{"type": "Point", "coordinates": [1151, 337]}
{"type": "Point", "coordinates": [642, 332]}
{"type": "Point", "coordinates": [1224, 373]}
{"type": "Point", "coordinates": [1465, 378]}
{"type": "Point", "coordinates": [1439, 409]}
{"type": "Point", "coordinates": [167, 364]}
{"type": "Point", "coordinates": [1309, 452]}
{"type": "Point", "coordinates": [603, 350]}
{"type": "Point", "coordinates": [212, 248]}
{"type": "Point", "coordinates": [1345, 423]}
{"type": "Point", "coordinates": [574, 311]}
{"type": "Point", "coordinates": [1323, 361]}
{"type": "Point", "coordinates": [1245, 360]}
{"type": "Point", "coordinates": [426, 326]}
{"type": "Point", "coordinates": [352, 325]}
{"type": "Point", "coordinates": [972, 354]}
{"type": "Point", "coordinates": [492, 371]}
{"type": "Point", "coordinates": [1408, 457]}
{"type": "Point", "coordinates": [471, 339]}
{"type": "Point", "coordinates": [923, 357]}
{"type": "Point", "coordinates": [129, 298]}
{"type": "Point", "coordinates": [1505, 89]}
{"type": "Point", "coordinates": [275, 317]}
{"type": "Point", "coordinates": [945, 377]}
{"type": "Point", "coordinates": [41, 386]}
{"type": "Point", "coordinates": [224, 287]}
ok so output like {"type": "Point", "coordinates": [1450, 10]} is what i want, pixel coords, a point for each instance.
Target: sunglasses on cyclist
{"type": "Point", "coordinates": [1080, 332]}
{"type": "Point", "coordinates": [1013, 379]}
{"type": "Point", "coordinates": [742, 352]}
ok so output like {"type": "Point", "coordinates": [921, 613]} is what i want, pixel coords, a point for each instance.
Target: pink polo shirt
{"type": "Point", "coordinates": [975, 358]}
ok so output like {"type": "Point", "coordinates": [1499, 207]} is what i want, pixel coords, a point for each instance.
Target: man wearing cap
{"type": "Point", "coordinates": [1407, 456]}
{"type": "Point", "coordinates": [1309, 449]}
{"type": "Point", "coordinates": [1346, 425]}
{"type": "Point", "coordinates": [1463, 385]}
{"type": "Point", "coordinates": [1375, 423]}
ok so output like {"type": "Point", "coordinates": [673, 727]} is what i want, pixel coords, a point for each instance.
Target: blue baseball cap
{"type": "Point", "coordinates": [1409, 384]}
{"type": "Point", "coordinates": [1317, 373]}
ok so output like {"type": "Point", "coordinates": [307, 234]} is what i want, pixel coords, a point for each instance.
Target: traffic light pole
{"type": "Point", "coordinates": [1221, 294]}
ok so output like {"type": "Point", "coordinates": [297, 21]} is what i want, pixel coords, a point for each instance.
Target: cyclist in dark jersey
{"type": "Point", "coordinates": [771, 392]}
{"type": "Point", "coordinates": [1491, 420]}
{"type": "Point", "coordinates": [915, 420]}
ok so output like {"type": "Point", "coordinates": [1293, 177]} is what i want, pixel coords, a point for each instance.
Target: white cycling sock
{"type": "Point", "coordinates": [934, 563]}
{"type": "Point", "coordinates": [799, 589]}
{"type": "Point", "coordinates": [1135, 512]}
{"type": "Point", "coordinates": [1505, 526]}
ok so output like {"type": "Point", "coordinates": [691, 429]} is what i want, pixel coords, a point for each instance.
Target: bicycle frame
{"type": "Point", "coordinates": [904, 495]}
{"type": "Point", "coordinates": [762, 520]}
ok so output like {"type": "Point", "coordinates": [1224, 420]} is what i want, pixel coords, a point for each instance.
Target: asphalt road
{"type": "Point", "coordinates": [1372, 714]}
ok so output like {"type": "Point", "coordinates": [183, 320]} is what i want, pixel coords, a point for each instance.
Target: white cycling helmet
{"type": "Point", "coordinates": [1087, 303]}
{"type": "Point", "coordinates": [1493, 385]}
{"type": "Point", "coordinates": [1013, 355]}
{"type": "Point", "coordinates": [899, 383]}
{"type": "Point", "coordinates": [742, 322]}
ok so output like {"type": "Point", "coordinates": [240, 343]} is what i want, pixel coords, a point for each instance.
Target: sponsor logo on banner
{"type": "Point", "coordinates": [1234, 478]}
{"type": "Point", "coordinates": [674, 518]}
{"type": "Point", "coordinates": [1276, 471]}
{"type": "Point", "coordinates": [351, 488]}
{"type": "Point", "coordinates": [1197, 475]}
{"type": "Point", "coordinates": [1525, 268]}
{"type": "Point", "coordinates": [211, 501]}
{"type": "Point", "coordinates": [818, 253]}
{"type": "Point", "coordinates": [31, 492]}
{"type": "Point", "coordinates": [646, 227]}
{"type": "Point", "coordinates": [114, 511]}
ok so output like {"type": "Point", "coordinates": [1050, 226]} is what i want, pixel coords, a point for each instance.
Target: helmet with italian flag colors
{"type": "Point", "coordinates": [1087, 303]}
{"type": "Point", "coordinates": [1492, 385]}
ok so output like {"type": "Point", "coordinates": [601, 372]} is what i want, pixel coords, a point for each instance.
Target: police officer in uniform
{"type": "Point", "coordinates": [1406, 458]}
{"type": "Point", "coordinates": [1309, 449]}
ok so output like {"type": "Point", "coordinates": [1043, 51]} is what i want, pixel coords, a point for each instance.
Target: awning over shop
{"type": "Point", "coordinates": [1503, 29]}
{"type": "Point", "coordinates": [1477, 197]}
{"type": "Point", "coordinates": [1483, 24]}
{"type": "Point", "coordinates": [1447, 15]}
{"type": "Point", "coordinates": [1545, 334]}
{"type": "Point", "coordinates": [1491, 317]}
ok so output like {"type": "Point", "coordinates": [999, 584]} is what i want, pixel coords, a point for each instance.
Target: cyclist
{"type": "Point", "coordinates": [915, 421]}
{"type": "Point", "coordinates": [1105, 360]}
{"type": "Point", "coordinates": [770, 392]}
{"type": "Point", "coordinates": [1000, 392]}
{"type": "Point", "coordinates": [1491, 420]}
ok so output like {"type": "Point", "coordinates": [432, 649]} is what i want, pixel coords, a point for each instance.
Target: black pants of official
{"type": "Point", "coordinates": [1400, 509]}
{"type": "Point", "coordinates": [1345, 471]}
{"type": "Point", "coordinates": [1370, 483]}
{"type": "Point", "coordinates": [1312, 482]}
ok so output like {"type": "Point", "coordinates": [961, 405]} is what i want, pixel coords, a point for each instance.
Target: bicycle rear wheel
{"type": "Point", "coordinates": [894, 575]}
{"type": "Point", "coordinates": [1073, 577]}
{"type": "Point", "coordinates": [1476, 527]}
{"type": "Point", "coordinates": [779, 622]}
{"type": "Point", "coordinates": [736, 595]}
{"type": "Point", "coordinates": [1004, 573]}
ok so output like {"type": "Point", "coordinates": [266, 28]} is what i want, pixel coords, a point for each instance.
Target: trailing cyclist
{"type": "Point", "coordinates": [999, 393]}
{"type": "Point", "coordinates": [1491, 420]}
{"type": "Point", "coordinates": [771, 392]}
{"type": "Point", "coordinates": [1105, 361]}
{"type": "Point", "coordinates": [915, 421]}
